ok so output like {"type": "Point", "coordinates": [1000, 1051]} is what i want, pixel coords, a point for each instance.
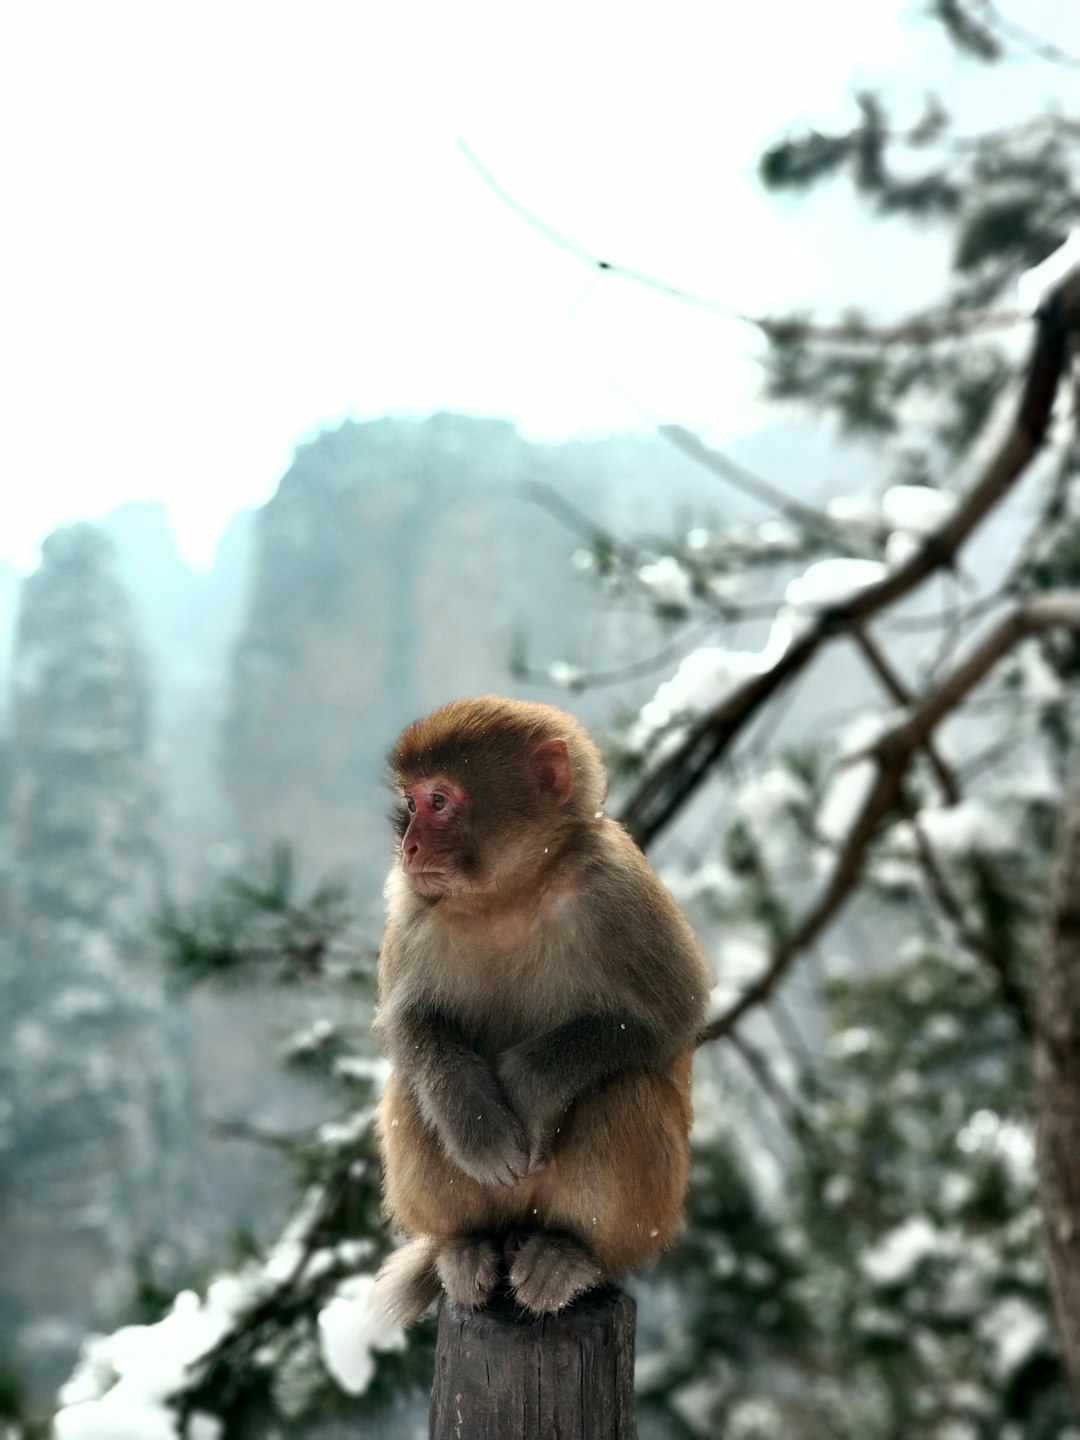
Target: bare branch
{"type": "Point", "coordinates": [541, 493]}
{"type": "Point", "coordinates": [748, 483]}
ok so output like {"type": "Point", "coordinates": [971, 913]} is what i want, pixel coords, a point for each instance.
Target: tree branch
{"type": "Point", "coordinates": [983, 945]}
{"type": "Point", "coordinates": [663, 793]}
{"type": "Point", "coordinates": [892, 755]}
{"type": "Point", "coordinates": [898, 691]}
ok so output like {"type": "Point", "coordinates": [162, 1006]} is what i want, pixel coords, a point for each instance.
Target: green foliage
{"type": "Point", "coordinates": [920, 1218]}
{"type": "Point", "coordinates": [1010, 197]}
{"type": "Point", "coordinates": [732, 1288]}
{"type": "Point", "coordinates": [262, 927]}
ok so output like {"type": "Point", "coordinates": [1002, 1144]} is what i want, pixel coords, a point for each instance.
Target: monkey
{"type": "Point", "coordinates": [540, 998]}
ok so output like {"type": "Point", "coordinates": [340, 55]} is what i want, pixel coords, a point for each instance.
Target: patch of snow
{"type": "Point", "coordinates": [861, 511]}
{"type": "Point", "coordinates": [1031, 779]}
{"type": "Point", "coordinates": [696, 1404]}
{"type": "Point", "coordinates": [351, 1130]}
{"type": "Point", "coordinates": [363, 1067]}
{"type": "Point", "coordinates": [1015, 1331]}
{"type": "Point", "coordinates": [567, 676]}
{"type": "Point", "coordinates": [828, 582]}
{"type": "Point", "coordinates": [762, 800]}
{"type": "Point", "coordinates": [668, 583]}
{"type": "Point", "coordinates": [704, 678]}
{"type": "Point", "coordinates": [289, 1249]}
{"type": "Point", "coordinates": [314, 1037]}
{"type": "Point", "coordinates": [957, 1430]}
{"type": "Point", "coordinates": [918, 509]}
{"type": "Point", "coordinates": [1034, 285]}
{"type": "Point", "coordinates": [969, 828]}
{"type": "Point", "coordinates": [121, 1386]}
{"type": "Point", "coordinates": [900, 547]}
{"type": "Point", "coordinates": [777, 537]}
{"type": "Point", "coordinates": [711, 881]}
{"type": "Point", "coordinates": [351, 1331]}
{"type": "Point", "coordinates": [855, 1041]}
{"type": "Point", "coordinates": [742, 961]}
{"type": "Point", "coordinates": [1040, 682]}
{"type": "Point", "coordinates": [898, 1253]}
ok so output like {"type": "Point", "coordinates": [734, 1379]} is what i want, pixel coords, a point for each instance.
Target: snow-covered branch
{"type": "Point", "coordinates": [676, 778]}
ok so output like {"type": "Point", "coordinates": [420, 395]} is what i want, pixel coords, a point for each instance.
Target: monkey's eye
{"type": "Point", "coordinates": [410, 804]}
{"type": "Point", "coordinates": [438, 802]}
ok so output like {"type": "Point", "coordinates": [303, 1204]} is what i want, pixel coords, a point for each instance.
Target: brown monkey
{"type": "Point", "coordinates": [540, 996]}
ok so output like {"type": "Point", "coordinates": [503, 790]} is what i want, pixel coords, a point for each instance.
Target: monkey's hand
{"type": "Point", "coordinates": [541, 1111]}
{"type": "Point", "coordinates": [544, 1075]}
{"type": "Point", "coordinates": [458, 1094]}
{"type": "Point", "coordinates": [478, 1129]}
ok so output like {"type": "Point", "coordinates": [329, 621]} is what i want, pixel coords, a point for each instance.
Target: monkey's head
{"type": "Point", "coordinates": [491, 791]}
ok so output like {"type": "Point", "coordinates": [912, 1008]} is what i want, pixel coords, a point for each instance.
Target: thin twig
{"type": "Point", "coordinates": [783, 1103]}
{"type": "Point", "coordinates": [589, 257]}
{"type": "Point", "coordinates": [977, 942]}
{"type": "Point", "coordinates": [541, 493]}
{"type": "Point", "coordinates": [744, 480]}
{"type": "Point", "coordinates": [917, 332]}
{"type": "Point", "coordinates": [1019, 34]}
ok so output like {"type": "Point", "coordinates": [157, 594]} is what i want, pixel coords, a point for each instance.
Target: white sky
{"type": "Point", "coordinates": [229, 223]}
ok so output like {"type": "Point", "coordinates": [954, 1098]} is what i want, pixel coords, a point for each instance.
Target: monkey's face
{"type": "Point", "coordinates": [484, 788]}
{"type": "Point", "coordinates": [438, 853]}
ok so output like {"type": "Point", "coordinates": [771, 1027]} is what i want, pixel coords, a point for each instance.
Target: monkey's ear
{"type": "Point", "coordinates": [550, 763]}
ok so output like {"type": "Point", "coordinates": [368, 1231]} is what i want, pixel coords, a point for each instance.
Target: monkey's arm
{"type": "Point", "coordinates": [649, 982]}
{"type": "Point", "coordinates": [458, 1094]}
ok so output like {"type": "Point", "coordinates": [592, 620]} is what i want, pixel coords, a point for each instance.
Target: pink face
{"type": "Point", "coordinates": [431, 846]}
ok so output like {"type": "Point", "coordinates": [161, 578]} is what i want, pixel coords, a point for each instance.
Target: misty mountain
{"type": "Point", "coordinates": [165, 726]}
{"type": "Point", "coordinates": [95, 1157]}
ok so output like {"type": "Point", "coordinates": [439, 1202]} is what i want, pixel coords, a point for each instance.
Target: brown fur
{"type": "Point", "coordinates": [541, 1016]}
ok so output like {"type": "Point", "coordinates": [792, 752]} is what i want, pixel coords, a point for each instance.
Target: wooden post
{"type": "Point", "coordinates": [568, 1376]}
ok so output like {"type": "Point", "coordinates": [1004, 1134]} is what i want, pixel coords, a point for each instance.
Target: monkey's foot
{"type": "Point", "coordinates": [469, 1269]}
{"type": "Point", "coordinates": [547, 1271]}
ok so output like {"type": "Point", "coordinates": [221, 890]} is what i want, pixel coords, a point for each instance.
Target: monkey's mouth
{"type": "Point", "coordinates": [428, 882]}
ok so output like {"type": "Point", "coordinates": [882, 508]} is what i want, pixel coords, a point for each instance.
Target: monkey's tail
{"type": "Point", "coordinates": [407, 1282]}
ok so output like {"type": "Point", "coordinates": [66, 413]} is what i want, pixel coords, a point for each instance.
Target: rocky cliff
{"type": "Point", "coordinates": [93, 1144]}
